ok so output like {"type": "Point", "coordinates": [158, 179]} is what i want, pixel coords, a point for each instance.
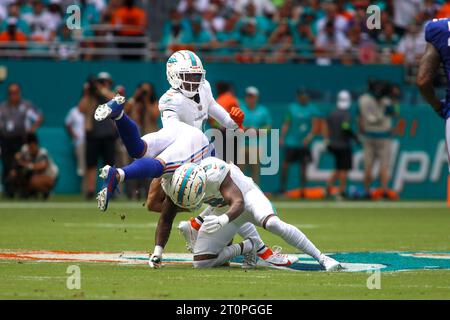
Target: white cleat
{"type": "Point", "coordinates": [329, 264]}
{"type": "Point", "coordinates": [277, 259]}
{"type": "Point", "coordinates": [113, 108]}
{"type": "Point", "coordinates": [189, 234]}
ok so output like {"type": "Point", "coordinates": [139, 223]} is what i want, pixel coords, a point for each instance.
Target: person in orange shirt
{"type": "Point", "coordinates": [444, 12]}
{"type": "Point", "coordinates": [227, 99]}
{"type": "Point", "coordinates": [130, 21]}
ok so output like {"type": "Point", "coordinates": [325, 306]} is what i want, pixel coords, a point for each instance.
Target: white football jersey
{"type": "Point", "coordinates": [216, 171]}
{"type": "Point", "coordinates": [174, 105]}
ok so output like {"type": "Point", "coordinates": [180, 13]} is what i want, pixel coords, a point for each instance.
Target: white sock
{"type": "Point", "coordinates": [247, 231]}
{"type": "Point", "coordinates": [121, 174]}
{"type": "Point", "coordinates": [293, 236]}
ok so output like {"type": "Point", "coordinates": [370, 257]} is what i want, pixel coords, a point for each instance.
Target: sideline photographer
{"type": "Point", "coordinates": [100, 136]}
{"type": "Point", "coordinates": [376, 114]}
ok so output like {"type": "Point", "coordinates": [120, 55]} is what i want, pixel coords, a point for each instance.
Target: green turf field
{"type": "Point", "coordinates": [74, 225]}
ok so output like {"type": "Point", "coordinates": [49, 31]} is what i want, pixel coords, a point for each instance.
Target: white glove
{"type": "Point", "coordinates": [213, 223]}
{"type": "Point", "coordinates": [155, 261]}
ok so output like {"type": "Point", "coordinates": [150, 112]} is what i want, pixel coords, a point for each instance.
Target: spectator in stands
{"type": "Point", "coordinates": [263, 24]}
{"type": "Point", "coordinates": [252, 41]}
{"type": "Point", "coordinates": [281, 44]}
{"type": "Point", "coordinates": [388, 38]}
{"type": "Point", "coordinates": [301, 124]}
{"type": "Point", "coordinates": [212, 22]}
{"type": "Point", "coordinates": [405, 11]}
{"type": "Point", "coordinates": [376, 114]}
{"type": "Point", "coordinates": [257, 117]}
{"type": "Point", "coordinates": [12, 34]}
{"type": "Point", "coordinates": [74, 124]}
{"type": "Point", "coordinates": [21, 24]}
{"type": "Point", "coordinates": [228, 38]}
{"type": "Point", "coordinates": [100, 136]}
{"type": "Point", "coordinates": [199, 38]}
{"type": "Point", "coordinates": [412, 45]}
{"type": "Point", "coordinates": [34, 171]}
{"type": "Point", "coordinates": [338, 22]}
{"type": "Point", "coordinates": [130, 21]}
{"type": "Point", "coordinates": [330, 44]}
{"type": "Point", "coordinates": [17, 118]}
{"type": "Point", "coordinates": [42, 23]}
{"type": "Point", "coordinates": [338, 135]}
{"type": "Point", "coordinates": [303, 37]}
{"type": "Point", "coordinates": [175, 29]}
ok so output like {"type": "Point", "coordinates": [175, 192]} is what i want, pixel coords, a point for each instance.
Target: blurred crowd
{"type": "Point", "coordinates": [29, 170]}
{"type": "Point", "coordinates": [227, 30]}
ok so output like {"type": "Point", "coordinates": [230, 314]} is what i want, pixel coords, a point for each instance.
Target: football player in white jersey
{"type": "Point", "coordinates": [188, 101]}
{"type": "Point", "coordinates": [236, 200]}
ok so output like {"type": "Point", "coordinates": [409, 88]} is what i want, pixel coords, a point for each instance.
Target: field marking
{"type": "Point", "coordinates": [279, 204]}
{"type": "Point", "coordinates": [111, 225]}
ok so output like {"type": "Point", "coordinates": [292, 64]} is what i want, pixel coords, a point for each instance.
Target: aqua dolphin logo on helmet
{"type": "Point", "coordinates": [185, 72]}
{"type": "Point", "coordinates": [187, 186]}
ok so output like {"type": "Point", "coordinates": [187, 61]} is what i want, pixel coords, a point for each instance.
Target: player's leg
{"type": "Point", "coordinates": [127, 128]}
{"type": "Point", "coordinates": [385, 157]}
{"type": "Point", "coordinates": [263, 212]}
{"type": "Point", "coordinates": [369, 154]}
{"type": "Point", "coordinates": [189, 230]}
{"type": "Point", "coordinates": [212, 250]}
{"type": "Point", "coordinates": [229, 252]}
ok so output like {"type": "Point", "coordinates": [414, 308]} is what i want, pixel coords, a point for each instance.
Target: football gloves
{"type": "Point", "coordinates": [213, 223]}
{"type": "Point", "coordinates": [237, 115]}
{"type": "Point", "coordinates": [155, 261]}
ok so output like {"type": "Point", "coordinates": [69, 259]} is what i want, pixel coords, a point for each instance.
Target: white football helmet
{"type": "Point", "coordinates": [185, 72]}
{"type": "Point", "coordinates": [187, 186]}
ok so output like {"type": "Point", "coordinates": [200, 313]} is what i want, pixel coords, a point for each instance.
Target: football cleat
{"type": "Point", "coordinates": [154, 262]}
{"type": "Point", "coordinates": [110, 182]}
{"type": "Point", "coordinates": [112, 109]}
{"type": "Point", "coordinates": [274, 258]}
{"type": "Point", "coordinates": [250, 257]}
{"type": "Point", "coordinates": [189, 234]}
{"type": "Point", "coordinates": [329, 264]}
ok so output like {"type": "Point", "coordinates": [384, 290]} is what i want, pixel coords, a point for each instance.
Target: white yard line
{"type": "Point", "coordinates": [278, 204]}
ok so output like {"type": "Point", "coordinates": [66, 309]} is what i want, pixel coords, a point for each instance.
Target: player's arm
{"type": "Point", "coordinates": [219, 114]}
{"type": "Point", "coordinates": [234, 198]}
{"type": "Point", "coordinates": [168, 213]}
{"type": "Point", "coordinates": [428, 67]}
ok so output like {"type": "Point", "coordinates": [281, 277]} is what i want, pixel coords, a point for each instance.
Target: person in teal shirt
{"type": "Point", "coordinates": [256, 117]}
{"type": "Point", "coordinates": [298, 131]}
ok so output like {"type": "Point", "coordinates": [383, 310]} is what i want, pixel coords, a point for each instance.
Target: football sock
{"type": "Point", "coordinates": [196, 223]}
{"type": "Point", "coordinates": [248, 230]}
{"type": "Point", "coordinates": [129, 133]}
{"type": "Point", "coordinates": [142, 168]}
{"type": "Point", "coordinates": [293, 236]}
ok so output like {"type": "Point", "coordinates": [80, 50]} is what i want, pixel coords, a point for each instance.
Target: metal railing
{"type": "Point", "coordinates": [112, 46]}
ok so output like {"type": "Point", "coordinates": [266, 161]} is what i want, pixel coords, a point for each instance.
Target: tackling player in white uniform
{"type": "Point", "coordinates": [236, 200]}
{"type": "Point", "coordinates": [189, 101]}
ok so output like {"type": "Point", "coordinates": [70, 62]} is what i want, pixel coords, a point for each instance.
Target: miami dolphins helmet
{"type": "Point", "coordinates": [185, 72]}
